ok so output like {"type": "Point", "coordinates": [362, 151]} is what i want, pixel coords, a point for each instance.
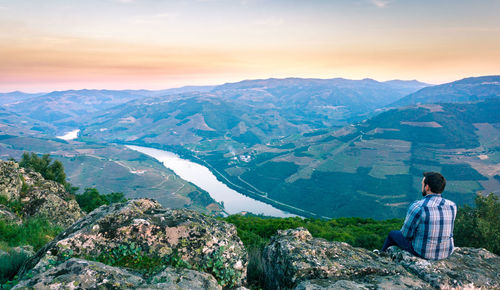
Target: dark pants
{"type": "Point", "coordinates": [395, 238]}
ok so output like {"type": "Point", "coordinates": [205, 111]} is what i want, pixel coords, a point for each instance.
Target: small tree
{"type": "Point", "coordinates": [479, 227]}
{"type": "Point", "coordinates": [48, 168]}
{"type": "Point", "coordinates": [91, 199]}
{"type": "Point", "coordinates": [44, 165]}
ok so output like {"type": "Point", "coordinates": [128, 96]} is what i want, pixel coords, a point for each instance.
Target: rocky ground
{"type": "Point", "coordinates": [145, 237]}
{"type": "Point", "coordinates": [294, 259]}
{"type": "Point", "coordinates": [37, 196]}
{"type": "Point", "coordinates": [140, 244]}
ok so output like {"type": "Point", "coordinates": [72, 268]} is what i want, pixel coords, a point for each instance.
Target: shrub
{"type": "Point", "coordinates": [10, 262]}
{"type": "Point", "coordinates": [133, 257]}
{"type": "Point", "coordinates": [52, 170]}
{"type": "Point", "coordinates": [49, 169]}
{"type": "Point", "coordinates": [214, 264]}
{"type": "Point", "coordinates": [255, 231]}
{"type": "Point", "coordinates": [14, 205]}
{"type": "Point", "coordinates": [479, 226]}
{"type": "Point", "coordinates": [35, 232]}
{"type": "Point", "coordinates": [91, 199]}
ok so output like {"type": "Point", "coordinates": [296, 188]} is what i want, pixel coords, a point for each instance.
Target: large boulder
{"type": "Point", "coordinates": [141, 230]}
{"type": "Point", "coordinates": [39, 197]}
{"type": "Point", "coordinates": [465, 268]}
{"type": "Point", "coordinates": [294, 259]}
{"type": "Point", "coordinates": [82, 274]}
{"type": "Point", "coordinates": [10, 180]}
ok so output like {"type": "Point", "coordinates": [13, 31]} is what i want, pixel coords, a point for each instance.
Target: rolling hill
{"type": "Point", "coordinates": [331, 147]}
{"type": "Point", "coordinates": [69, 109]}
{"type": "Point", "coordinates": [374, 168]}
{"type": "Point", "coordinates": [465, 90]}
{"type": "Point", "coordinates": [246, 113]}
{"type": "Point", "coordinates": [13, 97]}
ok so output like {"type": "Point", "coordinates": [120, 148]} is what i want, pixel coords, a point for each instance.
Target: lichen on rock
{"type": "Point", "coordinates": [141, 230]}
{"type": "Point", "coordinates": [10, 180]}
{"type": "Point", "coordinates": [39, 197]}
{"type": "Point", "coordinates": [82, 274]}
{"type": "Point", "coordinates": [294, 259]}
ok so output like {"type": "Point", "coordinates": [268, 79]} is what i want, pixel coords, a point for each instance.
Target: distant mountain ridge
{"type": "Point", "coordinates": [16, 96]}
{"type": "Point", "coordinates": [359, 95]}
{"type": "Point", "coordinates": [67, 109]}
{"type": "Point", "coordinates": [247, 112]}
{"type": "Point", "coordinates": [328, 146]}
{"type": "Point", "coordinates": [465, 90]}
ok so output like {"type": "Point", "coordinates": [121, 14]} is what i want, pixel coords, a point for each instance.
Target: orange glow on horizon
{"type": "Point", "coordinates": [156, 45]}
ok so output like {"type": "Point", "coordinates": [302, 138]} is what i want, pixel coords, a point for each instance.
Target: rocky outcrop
{"type": "Point", "coordinates": [82, 274]}
{"type": "Point", "coordinates": [143, 230]}
{"type": "Point", "coordinates": [465, 268]}
{"type": "Point", "coordinates": [39, 197]}
{"type": "Point", "coordinates": [10, 180]}
{"type": "Point", "coordinates": [294, 259]}
{"type": "Point", "coordinates": [49, 199]}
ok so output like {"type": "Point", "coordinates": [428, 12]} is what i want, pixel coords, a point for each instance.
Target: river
{"type": "Point", "coordinates": [201, 176]}
{"type": "Point", "coordinates": [69, 135]}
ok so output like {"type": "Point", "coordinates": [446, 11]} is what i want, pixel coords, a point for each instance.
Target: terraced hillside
{"type": "Point", "coordinates": [374, 168]}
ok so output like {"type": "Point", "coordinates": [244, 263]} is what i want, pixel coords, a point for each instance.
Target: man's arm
{"type": "Point", "coordinates": [412, 220]}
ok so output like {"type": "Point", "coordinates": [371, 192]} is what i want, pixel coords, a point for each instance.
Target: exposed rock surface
{"type": "Point", "coordinates": [49, 199]}
{"type": "Point", "coordinates": [465, 268]}
{"type": "Point", "coordinates": [294, 259]}
{"type": "Point", "coordinates": [10, 180]}
{"type": "Point", "coordinates": [155, 233]}
{"type": "Point", "coordinates": [81, 274]}
{"type": "Point", "coordinates": [171, 278]}
{"type": "Point", "coordinates": [39, 197]}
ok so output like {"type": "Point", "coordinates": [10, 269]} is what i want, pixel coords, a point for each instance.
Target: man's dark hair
{"type": "Point", "coordinates": [435, 181]}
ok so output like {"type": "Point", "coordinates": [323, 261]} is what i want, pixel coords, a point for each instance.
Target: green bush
{"type": "Point", "coordinates": [91, 199]}
{"type": "Point", "coordinates": [10, 264]}
{"type": "Point", "coordinates": [48, 168]}
{"type": "Point", "coordinates": [35, 232]}
{"type": "Point", "coordinates": [52, 170]}
{"type": "Point", "coordinates": [133, 257]}
{"type": "Point", "coordinates": [479, 226]}
{"type": "Point", "coordinates": [255, 231]}
{"type": "Point", "coordinates": [14, 205]}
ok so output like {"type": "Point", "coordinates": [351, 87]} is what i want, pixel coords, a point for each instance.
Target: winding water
{"type": "Point", "coordinates": [234, 202]}
{"type": "Point", "coordinates": [69, 135]}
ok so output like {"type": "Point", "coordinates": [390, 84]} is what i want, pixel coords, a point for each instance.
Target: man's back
{"type": "Point", "coordinates": [429, 225]}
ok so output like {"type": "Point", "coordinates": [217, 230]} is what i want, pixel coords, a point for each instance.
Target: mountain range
{"type": "Point", "coordinates": [465, 90]}
{"type": "Point", "coordinates": [332, 147]}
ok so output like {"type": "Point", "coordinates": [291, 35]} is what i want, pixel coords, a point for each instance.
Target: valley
{"type": "Point", "coordinates": [315, 148]}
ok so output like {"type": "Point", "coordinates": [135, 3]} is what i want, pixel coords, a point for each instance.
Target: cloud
{"type": "Point", "coordinates": [381, 3]}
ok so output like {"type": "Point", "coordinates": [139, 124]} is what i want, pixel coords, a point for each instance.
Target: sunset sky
{"type": "Point", "coordinates": [48, 45]}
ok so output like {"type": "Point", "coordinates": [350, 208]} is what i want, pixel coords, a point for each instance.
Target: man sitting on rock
{"type": "Point", "coordinates": [428, 228]}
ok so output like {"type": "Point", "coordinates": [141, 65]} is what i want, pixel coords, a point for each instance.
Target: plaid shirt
{"type": "Point", "coordinates": [429, 226]}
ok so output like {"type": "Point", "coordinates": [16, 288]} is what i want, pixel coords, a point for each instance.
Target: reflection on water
{"type": "Point", "coordinates": [69, 135]}
{"type": "Point", "coordinates": [200, 175]}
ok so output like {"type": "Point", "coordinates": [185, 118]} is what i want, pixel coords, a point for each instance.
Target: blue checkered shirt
{"type": "Point", "coordinates": [429, 226]}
